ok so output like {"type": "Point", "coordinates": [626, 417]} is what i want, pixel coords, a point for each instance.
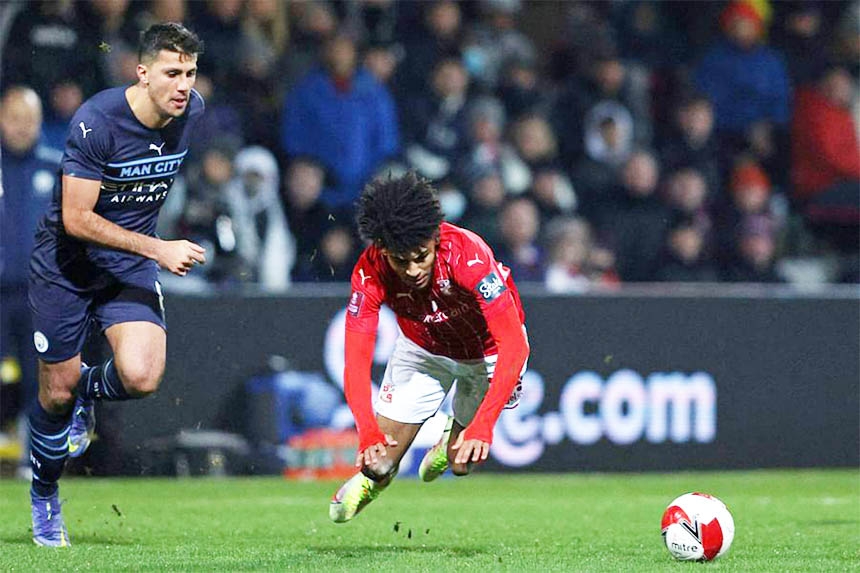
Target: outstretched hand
{"type": "Point", "coordinates": [179, 256]}
{"type": "Point", "coordinates": [373, 457]}
{"type": "Point", "coordinates": [470, 450]}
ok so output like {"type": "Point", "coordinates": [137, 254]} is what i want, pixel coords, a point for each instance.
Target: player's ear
{"type": "Point", "coordinates": [143, 74]}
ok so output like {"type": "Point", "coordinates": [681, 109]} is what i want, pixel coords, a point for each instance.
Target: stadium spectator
{"type": "Point", "coordinates": [750, 193]}
{"type": "Point", "coordinates": [335, 257]}
{"type": "Point", "coordinates": [692, 143]}
{"type": "Point", "coordinates": [460, 318]}
{"type": "Point", "coordinates": [308, 217]}
{"type": "Point", "coordinates": [553, 192]}
{"type": "Point", "coordinates": [685, 258]}
{"type": "Point", "coordinates": [755, 247]}
{"type": "Point", "coordinates": [96, 259]}
{"type": "Point", "coordinates": [486, 196]}
{"type": "Point", "coordinates": [826, 158]}
{"type": "Point", "coordinates": [29, 175]}
{"type": "Point", "coordinates": [312, 24]}
{"type": "Point", "coordinates": [745, 79]}
{"type": "Point", "coordinates": [206, 216]}
{"type": "Point", "coordinates": [263, 238]}
{"type": "Point", "coordinates": [48, 45]}
{"type": "Point", "coordinates": [435, 124]}
{"type": "Point", "coordinates": [521, 88]}
{"type": "Point", "coordinates": [846, 50]}
{"type": "Point", "coordinates": [437, 37]}
{"type": "Point", "coordinates": [382, 61]}
{"type": "Point", "coordinates": [263, 47]}
{"type": "Point", "coordinates": [371, 23]}
{"type": "Point", "coordinates": [343, 118]}
{"type": "Point", "coordinates": [634, 223]}
{"type": "Point", "coordinates": [152, 12]}
{"type": "Point", "coordinates": [687, 194]}
{"type": "Point", "coordinates": [800, 35]}
{"type": "Point", "coordinates": [648, 35]}
{"type": "Point", "coordinates": [219, 21]}
{"type": "Point", "coordinates": [608, 81]}
{"type": "Point", "coordinates": [494, 40]}
{"type": "Point", "coordinates": [110, 21]}
{"type": "Point", "coordinates": [519, 225]}
{"type": "Point", "coordinates": [488, 149]}
{"type": "Point", "coordinates": [574, 263]}
{"type": "Point", "coordinates": [64, 98]}
{"type": "Point", "coordinates": [608, 144]}
{"type": "Point", "coordinates": [452, 200]}
{"type": "Point", "coordinates": [534, 141]}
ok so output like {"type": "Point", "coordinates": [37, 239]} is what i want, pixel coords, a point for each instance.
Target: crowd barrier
{"type": "Point", "coordinates": [630, 381]}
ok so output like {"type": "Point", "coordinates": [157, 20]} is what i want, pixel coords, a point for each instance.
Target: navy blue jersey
{"type": "Point", "coordinates": [136, 166]}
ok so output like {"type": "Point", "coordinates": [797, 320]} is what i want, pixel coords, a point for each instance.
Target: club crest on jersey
{"type": "Point", "coordinates": [444, 285]}
{"type": "Point", "coordinates": [491, 287]}
{"type": "Point", "coordinates": [354, 306]}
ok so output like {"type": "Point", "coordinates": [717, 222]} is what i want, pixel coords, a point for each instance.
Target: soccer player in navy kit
{"type": "Point", "coordinates": [96, 257]}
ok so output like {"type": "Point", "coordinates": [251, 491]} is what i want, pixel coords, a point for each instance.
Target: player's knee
{"type": "Point", "coordinates": [57, 384]}
{"type": "Point", "coordinates": [56, 399]}
{"type": "Point", "coordinates": [140, 380]}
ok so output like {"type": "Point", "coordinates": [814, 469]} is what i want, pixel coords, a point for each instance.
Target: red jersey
{"type": "Point", "coordinates": [450, 317]}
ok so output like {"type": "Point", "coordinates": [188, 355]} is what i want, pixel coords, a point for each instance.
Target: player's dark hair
{"type": "Point", "coordinates": [399, 213]}
{"type": "Point", "coordinates": [168, 36]}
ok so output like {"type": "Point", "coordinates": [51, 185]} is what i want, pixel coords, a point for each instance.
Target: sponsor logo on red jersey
{"type": "Point", "coordinates": [355, 301]}
{"type": "Point", "coordinates": [491, 287]}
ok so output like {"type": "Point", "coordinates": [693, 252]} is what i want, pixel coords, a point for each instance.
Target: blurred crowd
{"type": "Point", "coordinates": [590, 143]}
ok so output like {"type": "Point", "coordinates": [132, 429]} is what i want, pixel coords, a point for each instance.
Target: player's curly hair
{"type": "Point", "coordinates": [168, 36]}
{"type": "Point", "coordinates": [399, 213]}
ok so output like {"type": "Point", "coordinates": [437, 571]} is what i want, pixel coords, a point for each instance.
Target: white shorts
{"type": "Point", "coordinates": [416, 382]}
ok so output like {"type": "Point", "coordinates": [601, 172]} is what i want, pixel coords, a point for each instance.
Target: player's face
{"type": "Point", "coordinates": [415, 268]}
{"type": "Point", "coordinates": [168, 80]}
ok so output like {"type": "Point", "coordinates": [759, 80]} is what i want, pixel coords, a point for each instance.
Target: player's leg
{"type": "Point", "coordinates": [134, 371]}
{"type": "Point", "coordinates": [132, 316]}
{"type": "Point", "coordinates": [413, 387]}
{"type": "Point", "coordinates": [472, 385]}
{"type": "Point", "coordinates": [60, 323]}
{"type": "Point", "coordinates": [49, 430]}
{"type": "Point", "coordinates": [366, 485]}
{"type": "Point", "coordinates": [139, 354]}
{"type": "Point", "coordinates": [435, 461]}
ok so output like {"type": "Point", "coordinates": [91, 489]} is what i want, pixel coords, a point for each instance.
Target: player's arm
{"type": "Point", "coordinates": [82, 222]}
{"type": "Point", "coordinates": [362, 319]}
{"type": "Point", "coordinates": [473, 444]}
{"type": "Point", "coordinates": [357, 388]}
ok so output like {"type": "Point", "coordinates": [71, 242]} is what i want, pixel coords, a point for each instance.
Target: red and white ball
{"type": "Point", "coordinates": [697, 527]}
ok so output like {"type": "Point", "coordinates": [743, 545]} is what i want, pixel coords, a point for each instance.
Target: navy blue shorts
{"type": "Point", "coordinates": [62, 318]}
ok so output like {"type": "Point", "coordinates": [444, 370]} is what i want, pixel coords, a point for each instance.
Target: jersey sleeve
{"type": "Point", "coordinates": [368, 293]}
{"type": "Point", "coordinates": [362, 317]}
{"type": "Point", "coordinates": [88, 145]}
{"type": "Point", "coordinates": [475, 268]}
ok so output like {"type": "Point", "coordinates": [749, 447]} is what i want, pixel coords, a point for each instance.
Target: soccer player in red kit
{"type": "Point", "coordinates": [461, 321]}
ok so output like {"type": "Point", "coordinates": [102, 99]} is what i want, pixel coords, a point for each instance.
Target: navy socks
{"type": "Point", "coordinates": [49, 434]}
{"type": "Point", "coordinates": [102, 383]}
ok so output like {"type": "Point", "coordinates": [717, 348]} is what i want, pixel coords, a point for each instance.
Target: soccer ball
{"type": "Point", "coordinates": [697, 527]}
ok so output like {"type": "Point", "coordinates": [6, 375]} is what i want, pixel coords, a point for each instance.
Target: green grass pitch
{"type": "Point", "coordinates": [787, 520]}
